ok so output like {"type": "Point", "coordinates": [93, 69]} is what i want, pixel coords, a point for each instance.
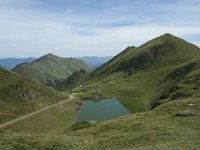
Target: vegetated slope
{"type": "Point", "coordinates": [19, 96]}
{"type": "Point", "coordinates": [79, 77]}
{"type": "Point", "coordinates": [50, 69]}
{"type": "Point", "coordinates": [136, 75]}
{"type": "Point", "coordinates": [72, 81]}
{"type": "Point", "coordinates": [9, 63]}
{"type": "Point", "coordinates": [114, 62]}
{"type": "Point", "coordinates": [163, 51]}
{"type": "Point", "coordinates": [45, 120]}
{"type": "Point", "coordinates": [95, 61]}
{"type": "Point", "coordinates": [157, 129]}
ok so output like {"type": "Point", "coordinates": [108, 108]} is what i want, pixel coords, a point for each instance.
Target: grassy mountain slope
{"type": "Point", "coordinates": [51, 117]}
{"type": "Point", "coordinates": [136, 75]}
{"type": "Point", "coordinates": [72, 81]}
{"type": "Point", "coordinates": [166, 49]}
{"type": "Point", "coordinates": [50, 69]}
{"type": "Point", "coordinates": [19, 96]}
{"type": "Point", "coordinates": [114, 62]}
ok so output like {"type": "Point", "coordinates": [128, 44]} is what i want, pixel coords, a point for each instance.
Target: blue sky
{"type": "Point", "coordinates": [71, 28]}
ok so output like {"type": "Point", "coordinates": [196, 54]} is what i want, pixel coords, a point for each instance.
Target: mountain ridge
{"type": "Point", "coordinates": [50, 69]}
{"type": "Point", "coordinates": [130, 74]}
{"type": "Point", "coordinates": [146, 51]}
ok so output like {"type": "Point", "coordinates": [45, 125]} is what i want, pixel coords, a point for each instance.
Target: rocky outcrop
{"type": "Point", "coordinates": [181, 71]}
{"type": "Point", "coordinates": [80, 125]}
{"type": "Point", "coordinates": [25, 92]}
{"type": "Point", "coordinates": [186, 113]}
{"type": "Point", "coordinates": [98, 94]}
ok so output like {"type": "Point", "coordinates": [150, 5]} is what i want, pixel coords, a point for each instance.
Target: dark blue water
{"type": "Point", "coordinates": [101, 110]}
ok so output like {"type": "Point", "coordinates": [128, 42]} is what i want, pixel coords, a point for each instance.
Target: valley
{"type": "Point", "coordinates": [131, 101]}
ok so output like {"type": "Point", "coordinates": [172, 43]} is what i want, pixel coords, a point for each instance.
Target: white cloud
{"type": "Point", "coordinates": [28, 32]}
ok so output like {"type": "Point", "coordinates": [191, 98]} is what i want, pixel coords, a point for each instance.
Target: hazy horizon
{"type": "Point", "coordinates": [72, 28]}
{"type": "Point", "coordinates": [46, 54]}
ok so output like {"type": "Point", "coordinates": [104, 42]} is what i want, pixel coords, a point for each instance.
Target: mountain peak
{"type": "Point", "coordinates": [167, 38]}
{"type": "Point", "coordinates": [167, 34]}
{"type": "Point", "coordinates": [45, 57]}
{"type": "Point", "coordinates": [49, 55]}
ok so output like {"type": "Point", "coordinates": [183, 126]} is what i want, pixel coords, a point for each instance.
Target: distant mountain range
{"type": "Point", "coordinates": [9, 63]}
{"type": "Point", "coordinates": [92, 61]}
{"type": "Point", "coordinates": [95, 61]}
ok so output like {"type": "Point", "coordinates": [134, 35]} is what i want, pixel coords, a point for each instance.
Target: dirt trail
{"type": "Point", "coordinates": [35, 112]}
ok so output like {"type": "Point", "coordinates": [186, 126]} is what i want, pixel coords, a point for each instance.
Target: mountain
{"type": "Point", "coordinates": [159, 49]}
{"type": "Point", "coordinates": [50, 69]}
{"type": "Point", "coordinates": [146, 76]}
{"type": "Point", "coordinates": [72, 81]}
{"type": "Point", "coordinates": [162, 75]}
{"type": "Point", "coordinates": [19, 96]}
{"type": "Point", "coordinates": [95, 61]}
{"type": "Point", "coordinates": [78, 77]}
{"type": "Point", "coordinates": [9, 63]}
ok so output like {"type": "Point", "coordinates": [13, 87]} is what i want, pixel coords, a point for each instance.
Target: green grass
{"type": "Point", "coordinates": [53, 118]}
{"type": "Point", "coordinates": [157, 129]}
